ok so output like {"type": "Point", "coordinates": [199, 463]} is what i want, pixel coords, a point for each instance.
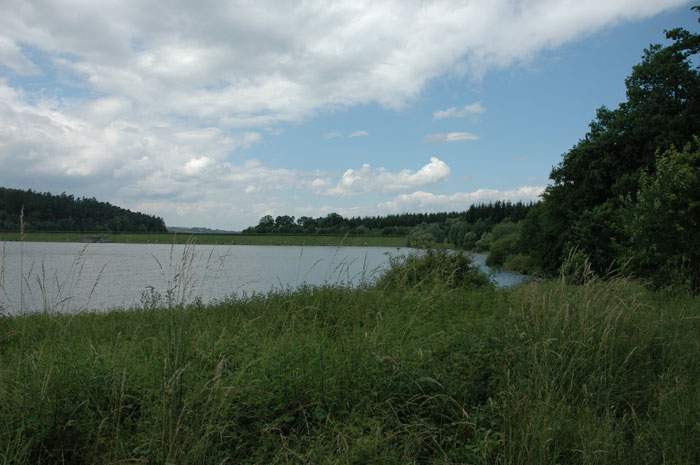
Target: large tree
{"type": "Point", "coordinates": [601, 172]}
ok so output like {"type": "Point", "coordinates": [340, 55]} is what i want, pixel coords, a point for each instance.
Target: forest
{"type": "Point", "coordinates": [48, 212]}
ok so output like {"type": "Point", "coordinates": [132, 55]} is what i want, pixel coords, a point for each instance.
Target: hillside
{"type": "Point", "coordinates": [48, 212]}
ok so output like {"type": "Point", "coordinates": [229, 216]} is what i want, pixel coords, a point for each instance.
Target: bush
{"type": "Point", "coordinates": [500, 249]}
{"type": "Point", "coordinates": [521, 263]}
{"type": "Point", "coordinates": [484, 243]}
{"type": "Point", "coordinates": [435, 268]}
{"type": "Point", "coordinates": [665, 243]}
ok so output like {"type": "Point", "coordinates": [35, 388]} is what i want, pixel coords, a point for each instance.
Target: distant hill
{"type": "Point", "coordinates": [48, 212]}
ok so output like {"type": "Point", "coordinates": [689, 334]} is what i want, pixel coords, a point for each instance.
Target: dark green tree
{"type": "Point", "coordinates": [601, 173]}
{"type": "Point", "coordinates": [664, 227]}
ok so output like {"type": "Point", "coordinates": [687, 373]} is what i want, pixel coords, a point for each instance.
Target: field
{"type": "Point", "coordinates": [214, 239]}
{"type": "Point", "coordinates": [548, 373]}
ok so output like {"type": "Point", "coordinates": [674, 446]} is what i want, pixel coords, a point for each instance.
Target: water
{"type": "Point", "coordinates": [501, 278]}
{"type": "Point", "coordinates": [71, 277]}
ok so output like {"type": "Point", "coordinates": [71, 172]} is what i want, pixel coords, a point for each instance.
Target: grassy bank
{"type": "Point", "coordinates": [606, 373]}
{"type": "Point", "coordinates": [213, 239]}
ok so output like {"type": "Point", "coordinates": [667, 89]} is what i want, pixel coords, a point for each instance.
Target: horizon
{"type": "Point", "coordinates": [213, 119]}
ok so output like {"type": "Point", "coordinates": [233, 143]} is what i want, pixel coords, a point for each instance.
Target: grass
{"type": "Point", "coordinates": [547, 373]}
{"type": "Point", "coordinates": [213, 239]}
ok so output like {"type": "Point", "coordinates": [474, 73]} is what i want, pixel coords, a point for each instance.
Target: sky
{"type": "Point", "coordinates": [214, 114]}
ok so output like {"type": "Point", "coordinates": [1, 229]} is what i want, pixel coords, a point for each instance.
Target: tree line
{"type": "Point", "coordinates": [48, 212]}
{"type": "Point", "coordinates": [486, 214]}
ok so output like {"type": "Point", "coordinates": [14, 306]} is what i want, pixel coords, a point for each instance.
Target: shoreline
{"type": "Point", "coordinates": [209, 239]}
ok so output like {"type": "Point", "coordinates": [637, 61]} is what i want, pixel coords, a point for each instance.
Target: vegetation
{"type": "Point", "coordinates": [215, 239]}
{"type": "Point", "coordinates": [47, 212]}
{"type": "Point", "coordinates": [402, 372]}
{"type": "Point", "coordinates": [627, 194]}
{"type": "Point", "coordinates": [431, 364]}
{"type": "Point", "coordinates": [399, 224]}
{"type": "Point", "coordinates": [435, 268]}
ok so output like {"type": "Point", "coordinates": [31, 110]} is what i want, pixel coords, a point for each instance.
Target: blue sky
{"type": "Point", "coordinates": [217, 116]}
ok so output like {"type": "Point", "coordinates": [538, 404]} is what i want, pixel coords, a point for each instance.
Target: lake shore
{"type": "Point", "coordinates": [542, 373]}
{"type": "Point", "coordinates": [211, 239]}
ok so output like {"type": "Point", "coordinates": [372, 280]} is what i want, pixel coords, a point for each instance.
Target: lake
{"type": "Point", "coordinates": [72, 277]}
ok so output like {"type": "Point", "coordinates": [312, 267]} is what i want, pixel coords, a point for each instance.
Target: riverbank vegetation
{"type": "Point", "coordinates": [435, 367]}
{"type": "Point", "coordinates": [336, 240]}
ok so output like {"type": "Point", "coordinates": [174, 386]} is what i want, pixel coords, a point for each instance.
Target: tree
{"type": "Point", "coordinates": [665, 222]}
{"type": "Point", "coordinates": [601, 174]}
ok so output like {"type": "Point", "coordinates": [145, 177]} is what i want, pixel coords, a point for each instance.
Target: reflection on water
{"type": "Point", "coordinates": [70, 277]}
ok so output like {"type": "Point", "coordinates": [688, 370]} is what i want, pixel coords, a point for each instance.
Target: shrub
{"type": "Point", "coordinates": [521, 263]}
{"type": "Point", "coordinates": [665, 243]}
{"type": "Point", "coordinates": [435, 268]}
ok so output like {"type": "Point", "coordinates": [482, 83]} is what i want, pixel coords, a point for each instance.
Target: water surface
{"type": "Point", "coordinates": [71, 277]}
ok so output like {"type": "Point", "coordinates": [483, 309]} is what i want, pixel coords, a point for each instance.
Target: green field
{"type": "Point", "coordinates": [213, 239]}
{"type": "Point", "coordinates": [548, 373]}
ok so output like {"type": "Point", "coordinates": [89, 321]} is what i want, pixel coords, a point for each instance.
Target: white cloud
{"type": "Point", "coordinates": [340, 135]}
{"type": "Point", "coordinates": [427, 201]}
{"type": "Point", "coordinates": [196, 165]}
{"type": "Point", "coordinates": [318, 184]}
{"type": "Point", "coordinates": [368, 179]}
{"type": "Point", "coordinates": [472, 109]}
{"type": "Point", "coordinates": [263, 63]}
{"type": "Point", "coordinates": [450, 137]}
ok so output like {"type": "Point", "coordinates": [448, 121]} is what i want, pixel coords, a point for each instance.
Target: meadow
{"type": "Point", "coordinates": [418, 369]}
{"type": "Point", "coordinates": [211, 239]}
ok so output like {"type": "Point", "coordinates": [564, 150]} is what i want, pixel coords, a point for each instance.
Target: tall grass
{"type": "Point", "coordinates": [548, 373]}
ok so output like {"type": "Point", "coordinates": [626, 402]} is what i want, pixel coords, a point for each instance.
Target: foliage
{"type": "Point", "coordinates": [546, 373]}
{"type": "Point", "coordinates": [500, 249]}
{"type": "Point", "coordinates": [521, 263]}
{"type": "Point", "coordinates": [47, 212]}
{"type": "Point", "coordinates": [336, 240]}
{"type": "Point", "coordinates": [665, 222]}
{"type": "Point", "coordinates": [434, 268]}
{"type": "Point", "coordinates": [425, 236]}
{"type": "Point", "coordinates": [599, 181]}
{"type": "Point", "coordinates": [481, 217]}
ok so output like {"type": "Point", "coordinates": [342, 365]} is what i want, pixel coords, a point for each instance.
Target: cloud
{"type": "Point", "coordinates": [196, 165]}
{"type": "Point", "coordinates": [340, 135]}
{"type": "Point", "coordinates": [12, 57]}
{"type": "Point", "coordinates": [133, 161]}
{"type": "Point", "coordinates": [163, 101]}
{"type": "Point", "coordinates": [426, 201]}
{"type": "Point", "coordinates": [264, 63]}
{"type": "Point", "coordinates": [443, 137]}
{"type": "Point", "coordinates": [368, 179]}
{"type": "Point", "coordinates": [472, 109]}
